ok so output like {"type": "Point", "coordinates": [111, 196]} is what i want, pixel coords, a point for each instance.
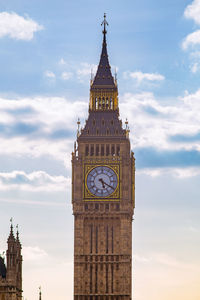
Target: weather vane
{"type": "Point", "coordinates": [104, 23]}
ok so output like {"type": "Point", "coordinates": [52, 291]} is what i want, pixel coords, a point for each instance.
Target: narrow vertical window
{"type": "Point", "coordinates": [96, 239]}
{"type": "Point", "coordinates": [91, 269]}
{"type": "Point", "coordinates": [92, 150]}
{"type": "Point", "coordinates": [91, 238]}
{"type": "Point", "coordinates": [113, 149]}
{"type": "Point", "coordinates": [87, 150]}
{"type": "Point", "coordinates": [107, 150]}
{"type": "Point", "coordinates": [106, 279]}
{"type": "Point", "coordinates": [107, 239]}
{"type": "Point", "coordinates": [97, 150]}
{"type": "Point", "coordinates": [112, 233]}
{"type": "Point", "coordinates": [99, 102]}
{"type": "Point", "coordinates": [96, 279]}
{"type": "Point", "coordinates": [118, 150]}
{"type": "Point", "coordinates": [112, 276]}
{"type": "Point", "coordinates": [111, 103]}
{"type": "Point", "coordinates": [107, 105]}
{"type": "Point", "coordinates": [102, 150]}
{"type": "Point", "coordinates": [103, 103]}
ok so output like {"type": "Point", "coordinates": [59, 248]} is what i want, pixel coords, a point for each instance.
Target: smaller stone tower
{"type": "Point", "coordinates": [11, 273]}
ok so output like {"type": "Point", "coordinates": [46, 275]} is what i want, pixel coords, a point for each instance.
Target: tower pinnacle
{"type": "Point", "coordinates": [11, 236]}
{"type": "Point", "coordinates": [103, 90]}
{"type": "Point", "coordinates": [40, 293]}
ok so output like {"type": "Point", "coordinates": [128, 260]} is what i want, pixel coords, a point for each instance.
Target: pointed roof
{"type": "Point", "coordinates": [17, 238]}
{"type": "Point", "coordinates": [11, 237]}
{"type": "Point", "coordinates": [104, 76]}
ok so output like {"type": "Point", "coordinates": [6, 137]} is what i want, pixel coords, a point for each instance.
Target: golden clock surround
{"type": "Point", "coordinates": [88, 196]}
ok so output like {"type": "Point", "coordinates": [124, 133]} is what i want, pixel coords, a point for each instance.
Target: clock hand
{"type": "Point", "coordinates": [104, 183]}
{"type": "Point", "coordinates": [109, 186]}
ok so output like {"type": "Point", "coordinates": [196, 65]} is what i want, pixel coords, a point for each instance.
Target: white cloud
{"type": "Point", "coordinates": [49, 74]}
{"type": "Point", "coordinates": [154, 122]}
{"type": "Point", "coordinates": [192, 11]}
{"type": "Point", "coordinates": [54, 114]}
{"type": "Point", "coordinates": [151, 121]}
{"type": "Point", "coordinates": [35, 181]}
{"type": "Point", "coordinates": [191, 39]}
{"type": "Point", "coordinates": [140, 76]}
{"type": "Point", "coordinates": [180, 173]}
{"type": "Point", "coordinates": [85, 70]}
{"type": "Point", "coordinates": [194, 67]}
{"type": "Point", "coordinates": [62, 62]}
{"type": "Point", "coordinates": [18, 27]}
{"type": "Point", "coordinates": [66, 75]}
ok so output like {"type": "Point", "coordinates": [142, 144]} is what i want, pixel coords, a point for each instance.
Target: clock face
{"type": "Point", "coordinates": [102, 181]}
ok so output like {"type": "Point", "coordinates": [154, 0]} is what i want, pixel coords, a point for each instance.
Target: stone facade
{"type": "Point", "coordinates": [103, 224]}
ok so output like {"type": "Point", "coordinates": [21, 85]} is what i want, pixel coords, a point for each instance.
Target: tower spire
{"type": "Point", "coordinates": [104, 83]}
{"type": "Point", "coordinates": [11, 236]}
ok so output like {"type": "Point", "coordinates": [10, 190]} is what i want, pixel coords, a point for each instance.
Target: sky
{"type": "Point", "coordinates": [47, 52]}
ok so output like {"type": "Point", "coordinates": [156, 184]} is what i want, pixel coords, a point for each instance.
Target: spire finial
{"type": "Point", "coordinates": [78, 129]}
{"type": "Point", "coordinates": [17, 227]}
{"type": "Point", "coordinates": [40, 293]}
{"type": "Point", "coordinates": [104, 23]}
{"type": "Point", "coordinates": [11, 224]}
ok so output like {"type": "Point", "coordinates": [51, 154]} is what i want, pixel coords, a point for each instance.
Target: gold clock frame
{"type": "Point", "coordinates": [88, 196]}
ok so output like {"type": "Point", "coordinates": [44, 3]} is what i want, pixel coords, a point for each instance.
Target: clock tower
{"type": "Point", "coordinates": [103, 194]}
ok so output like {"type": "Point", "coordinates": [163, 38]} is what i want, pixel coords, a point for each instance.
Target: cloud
{"type": "Point", "coordinates": [180, 173]}
{"type": "Point", "coordinates": [191, 39]}
{"type": "Point", "coordinates": [66, 75]}
{"type": "Point", "coordinates": [18, 27]}
{"type": "Point", "coordinates": [49, 74]}
{"type": "Point", "coordinates": [154, 122]}
{"type": "Point", "coordinates": [62, 62]}
{"type": "Point", "coordinates": [158, 130]}
{"type": "Point", "coordinates": [85, 70]}
{"type": "Point", "coordinates": [140, 76]}
{"type": "Point", "coordinates": [35, 181]}
{"type": "Point", "coordinates": [192, 11]}
{"type": "Point", "coordinates": [53, 137]}
{"type": "Point", "coordinates": [194, 67]}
